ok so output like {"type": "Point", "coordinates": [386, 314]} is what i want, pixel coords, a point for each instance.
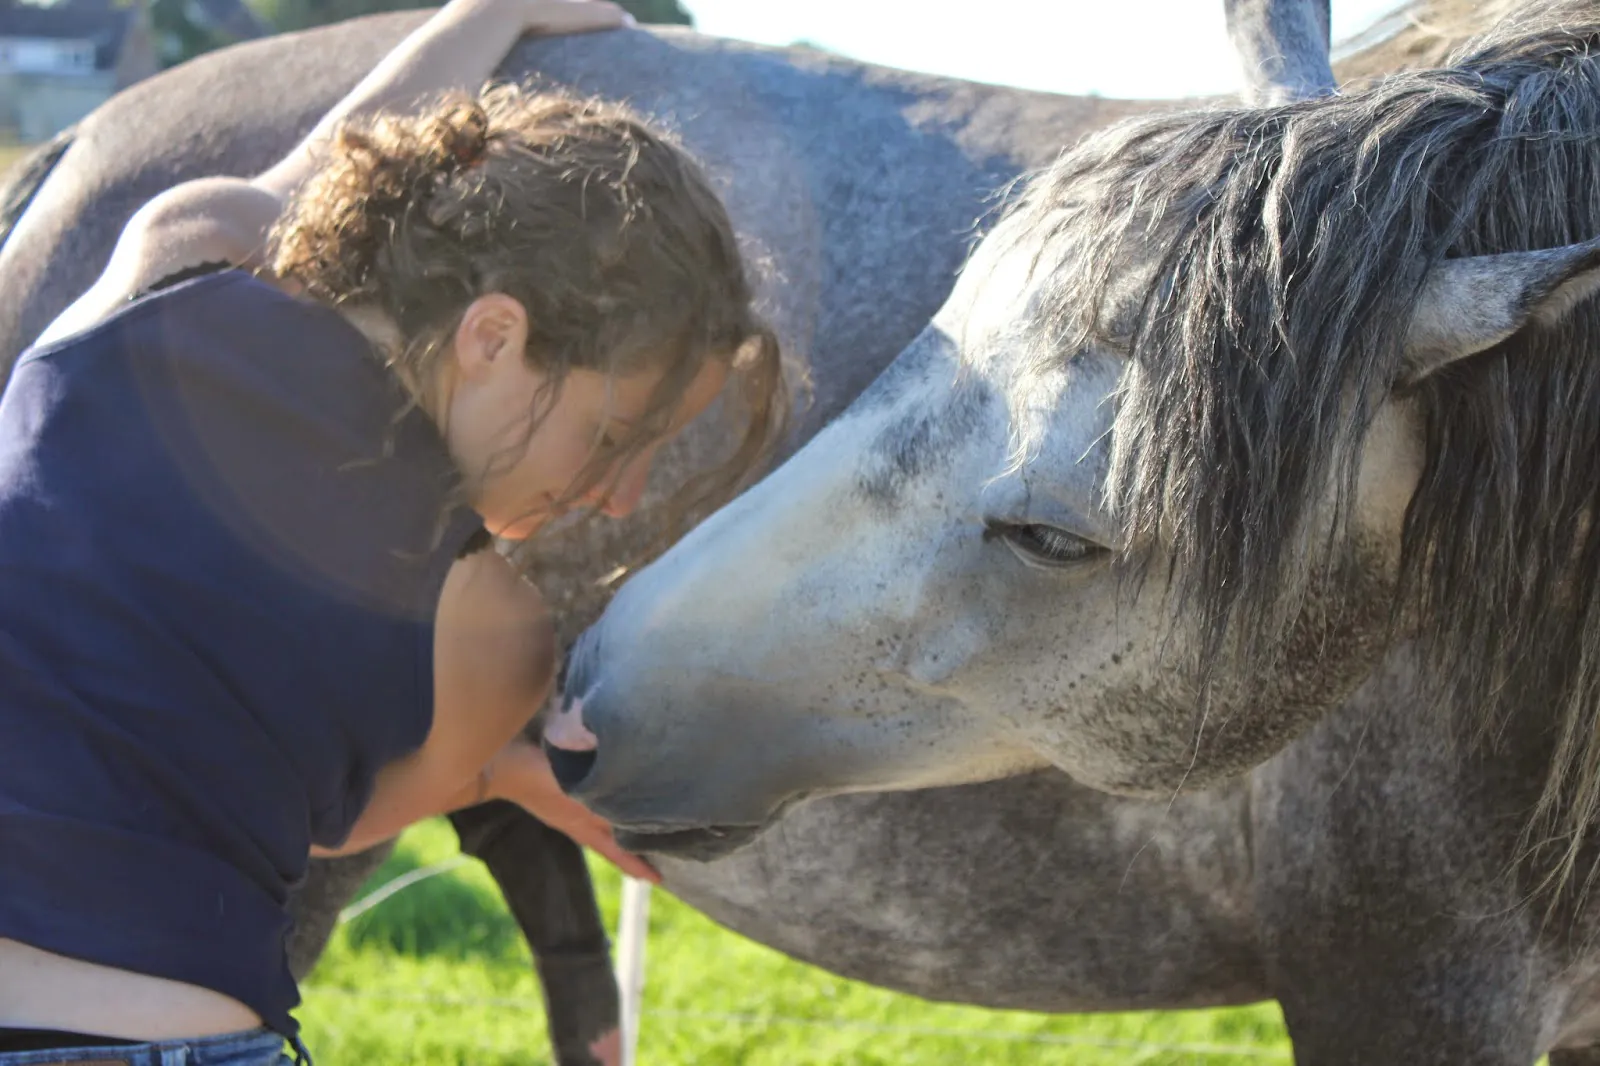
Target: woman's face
{"type": "Point", "coordinates": [515, 478]}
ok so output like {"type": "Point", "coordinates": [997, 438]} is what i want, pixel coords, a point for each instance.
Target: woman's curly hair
{"type": "Point", "coordinates": [605, 230]}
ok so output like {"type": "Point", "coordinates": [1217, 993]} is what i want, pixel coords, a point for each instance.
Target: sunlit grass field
{"type": "Point", "coordinates": [438, 975]}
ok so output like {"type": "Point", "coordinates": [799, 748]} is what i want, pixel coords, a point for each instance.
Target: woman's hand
{"type": "Point", "coordinates": [521, 774]}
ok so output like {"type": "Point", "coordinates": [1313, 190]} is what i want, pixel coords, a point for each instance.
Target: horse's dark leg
{"type": "Point", "coordinates": [546, 884]}
{"type": "Point", "coordinates": [1587, 1056]}
{"type": "Point", "coordinates": [1440, 1014]}
{"type": "Point", "coordinates": [1390, 929]}
{"type": "Point", "coordinates": [315, 906]}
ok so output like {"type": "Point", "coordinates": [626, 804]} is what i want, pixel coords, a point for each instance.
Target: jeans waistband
{"type": "Point", "coordinates": [256, 1047]}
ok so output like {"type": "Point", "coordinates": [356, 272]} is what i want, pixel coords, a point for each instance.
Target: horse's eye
{"type": "Point", "coordinates": [1038, 544]}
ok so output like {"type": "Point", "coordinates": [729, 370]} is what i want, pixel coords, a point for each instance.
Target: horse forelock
{"type": "Point", "coordinates": [1279, 254]}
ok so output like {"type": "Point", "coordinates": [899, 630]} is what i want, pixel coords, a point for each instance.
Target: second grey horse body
{"type": "Point", "coordinates": [862, 187]}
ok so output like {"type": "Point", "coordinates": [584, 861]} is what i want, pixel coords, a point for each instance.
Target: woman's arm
{"type": "Point", "coordinates": [227, 219]}
{"type": "Point", "coordinates": [494, 664]}
{"type": "Point", "coordinates": [494, 656]}
{"type": "Point", "coordinates": [458, 48]}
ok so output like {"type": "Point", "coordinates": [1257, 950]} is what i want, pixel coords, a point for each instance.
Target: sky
{"type": "Point", "coordinates": [1067, 46]}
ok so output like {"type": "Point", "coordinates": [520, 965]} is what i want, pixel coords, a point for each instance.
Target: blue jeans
{"type": "Point", "coordinates": [257, 1047]}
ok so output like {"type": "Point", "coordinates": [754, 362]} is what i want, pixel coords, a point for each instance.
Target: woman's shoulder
{"type": "Point", "coordinates": [176, 293]}
{"type": "Point", "coordinates": [208, 220]}
{"type": "Point", "coordinates": [230, 348]}
{"type": "Point", "coordinates": [212, 320]}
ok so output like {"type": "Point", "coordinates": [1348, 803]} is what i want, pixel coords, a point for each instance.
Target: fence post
{"type": "Point", "coordinates": [633, 929]}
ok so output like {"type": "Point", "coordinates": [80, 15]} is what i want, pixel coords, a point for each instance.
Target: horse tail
{"type": "Point", "coordinates": [24, 180]}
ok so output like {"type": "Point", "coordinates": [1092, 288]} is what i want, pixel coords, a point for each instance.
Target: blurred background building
{"type": "Point", "coordinates": [61, 60]}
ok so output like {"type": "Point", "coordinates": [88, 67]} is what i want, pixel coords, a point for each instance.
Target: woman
{"type": "Point", "coordinates": [246, 613]}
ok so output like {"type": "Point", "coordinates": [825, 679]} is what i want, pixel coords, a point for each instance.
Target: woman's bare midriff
{"type": "Point", "coordinates": [40, 990]}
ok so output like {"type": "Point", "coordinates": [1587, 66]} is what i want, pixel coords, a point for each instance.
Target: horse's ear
{"type": "Point", "coordinates": [1282, 46]}
{"type": "Point", "coordinates": [1471, 304]}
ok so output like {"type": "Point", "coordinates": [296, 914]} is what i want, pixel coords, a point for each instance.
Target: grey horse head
{"type": "Point", "coordinates": [1226, 405]}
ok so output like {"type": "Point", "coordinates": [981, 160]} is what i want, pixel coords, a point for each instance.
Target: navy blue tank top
{"type": "Point", "coordinates": [221, 549]}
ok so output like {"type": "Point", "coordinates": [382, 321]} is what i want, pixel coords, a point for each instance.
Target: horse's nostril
{"type": "Point", "coordinates": [570, 767]}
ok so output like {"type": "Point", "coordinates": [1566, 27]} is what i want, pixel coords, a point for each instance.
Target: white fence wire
{"type": "Point", "coordinates": [398, 885]}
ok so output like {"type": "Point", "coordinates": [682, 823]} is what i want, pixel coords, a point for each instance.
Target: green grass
{"type": "Point", "coordinates": [438, 975]}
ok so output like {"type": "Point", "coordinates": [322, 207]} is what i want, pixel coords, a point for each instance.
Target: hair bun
{"type": "Point", "coordinates": [462, 135]}
{"type": "Point", "coordinates": [382, 173]}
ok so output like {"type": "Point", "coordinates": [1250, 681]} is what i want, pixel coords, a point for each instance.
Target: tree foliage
{"type": "Point", "coordinates": [185, 28]}
{"type": "Point", "coordinates": [670, 12]}
{"type": "Point", "coordinates": [181, 32]}
{"type": "Point", "coordinates": [301, 14]}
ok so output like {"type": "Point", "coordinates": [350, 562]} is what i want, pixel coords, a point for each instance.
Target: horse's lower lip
{"type": "Point", "coordinates": [699, 845]}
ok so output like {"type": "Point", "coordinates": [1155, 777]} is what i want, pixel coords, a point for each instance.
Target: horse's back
{"type": "Point", "coordinates": [860, 184]}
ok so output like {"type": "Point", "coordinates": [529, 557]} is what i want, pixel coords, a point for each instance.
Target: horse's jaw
{"type": "Point", "coordinates": [694, 845]}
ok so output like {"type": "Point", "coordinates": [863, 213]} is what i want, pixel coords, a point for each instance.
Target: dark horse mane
{"type": "Point", "coordinates": [1288, 246]}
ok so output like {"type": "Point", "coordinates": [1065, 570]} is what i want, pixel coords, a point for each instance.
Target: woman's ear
{"type": "Point", "coordinates": [493, 327]}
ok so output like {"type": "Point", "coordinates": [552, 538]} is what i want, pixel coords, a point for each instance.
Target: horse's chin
{"type": "Point", "coordinates": [697, 845]}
